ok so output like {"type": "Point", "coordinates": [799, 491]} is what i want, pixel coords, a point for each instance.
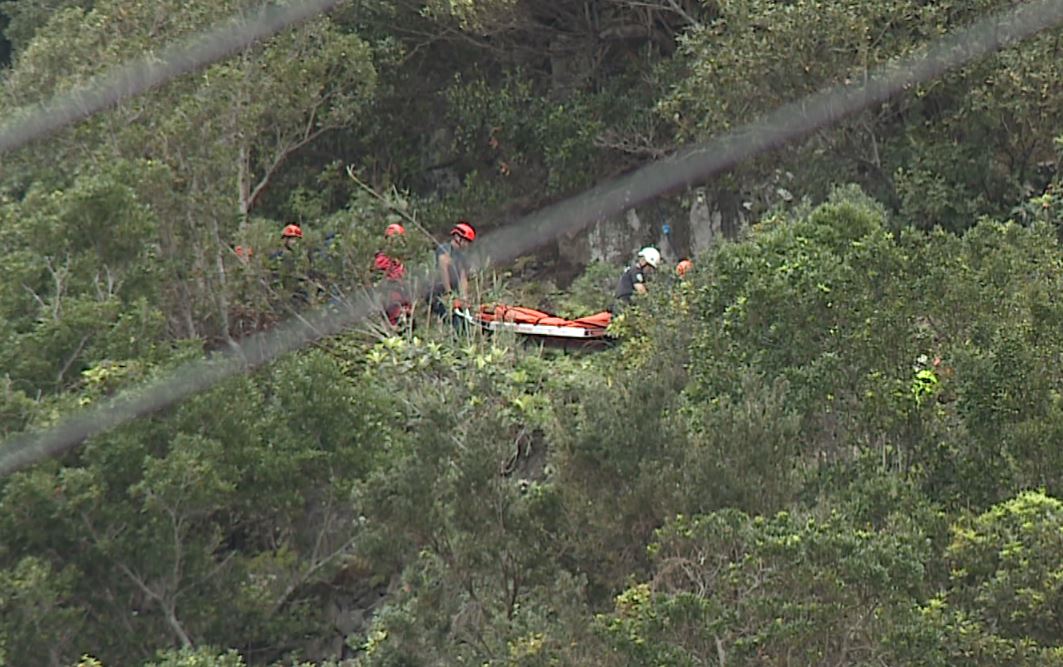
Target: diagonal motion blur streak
{"type": "Point", "coordinates": [153, 70]}
{"type": "Point", "coordinates": [786, 124]}
{"type": "Point", "coordinates": [688, 166]}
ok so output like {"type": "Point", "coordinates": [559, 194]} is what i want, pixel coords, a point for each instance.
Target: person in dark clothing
{"type": "Point", "coordinates": [289, 266]}
{"type": "Point", "coordinates": [452, 268]}
{"type": "Point", "coordinates": [633, 280]}
{"type": "Point", "coordinates": [291, 239]}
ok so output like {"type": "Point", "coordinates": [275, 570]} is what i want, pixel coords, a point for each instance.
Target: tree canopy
{"type": "Point", "coordinates": [832, 442]}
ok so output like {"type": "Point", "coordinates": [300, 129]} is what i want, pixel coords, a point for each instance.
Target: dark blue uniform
{"type": "Point", "coordinates": [625, 288]}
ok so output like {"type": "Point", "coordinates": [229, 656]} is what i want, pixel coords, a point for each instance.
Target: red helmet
{"type": "Point", "coordinates": [292, 230]}
{"type": "Point", "coordinates": [464, 230]}
{"type": "Point", "coordinates": [682, 267]}
{"type": "Point", "coordinates": [394, 229]}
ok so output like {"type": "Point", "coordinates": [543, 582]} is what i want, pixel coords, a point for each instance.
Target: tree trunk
{"type": "Point", "coordinates": [170, 611]}
{"type": "Point", "coordinates": [244, 183]}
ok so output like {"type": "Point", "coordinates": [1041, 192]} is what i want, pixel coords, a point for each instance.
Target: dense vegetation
{"type": "Point", "coordinates": [837, 442]}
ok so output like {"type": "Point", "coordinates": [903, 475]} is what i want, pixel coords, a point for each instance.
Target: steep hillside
{"type": "Point", "coordinates": [832, 442]}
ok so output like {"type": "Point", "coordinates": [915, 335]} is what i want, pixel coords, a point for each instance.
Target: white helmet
{"type": "Point", "coordinates": [651, 255]}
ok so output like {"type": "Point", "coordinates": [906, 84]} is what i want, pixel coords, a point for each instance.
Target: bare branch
{"type": "Point", "coordinates": [166, 603]}
{"type": "Point", "coordinates": [243, 179]}
{"type": "Point", "coordinates": [59, 276]}
{"type": "Point", "coordinates": [36, 297]}
{"type": "Point", "coordinates": [113, 284]}
{"type": "Point", "coordinates": [219, 265]}
{"type": "Point", "coordinates": [686, 17]}
{"type": "Point", "coordinates": [317, 563]}
{"type": "Point", "coordinates": [70, 360]}
{"type": "Point", "coordinates": [383, 200]}
{"type": "Point", "coordinates": [281, 157]}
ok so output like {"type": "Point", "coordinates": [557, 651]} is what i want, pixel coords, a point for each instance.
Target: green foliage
{"type": "Point", "coordinates": [218, 143]}
{"type": "Point", "coordinates": [1004, 565]}
{"type": "Point", "coordinates": [26, 17]}
{"type": "Point", "coordinates": [763, 471]}
{"type": "Point", "coordinates": [469, 14]}
{"type": "Point", "coordinates": [804, 301]}
{"type": "Point", "coordinates": [919, 347]}
{"type": "Point", "coordinates": [943, 153]}
{"type": "Point", "coordinates": [591, 293]}
{"type": "Point", "coordinates": [824, 363]}
{"type": "Point", "coordinates": [1000, 594]}
{"type": "Point", "coordinates": [730, 588]}
{"type": "Point", "coordinates": [37, 616]}
{"type": "Point", "coordinates": [516, 129]}
{"type": "Point", "coordinates": [202, 517]}
{"type": "Point", "coordinates": [83, 270]}
{"type": "Point", "coordinates": [201, 657]}
{"type": "Point", "coordinates": [480, 575]}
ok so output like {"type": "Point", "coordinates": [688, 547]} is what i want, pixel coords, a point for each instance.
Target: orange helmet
{"type": "Point", "coordinates": [394, 229]}
{"type": "Point", "coordinates": [464, 230]}
{"type": "Point", "coordinates": [292, 231]}
{"type": "Point", "coordinates": [682, 267]}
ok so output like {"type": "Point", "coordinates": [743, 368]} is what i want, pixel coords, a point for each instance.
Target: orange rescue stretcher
{"type": "Point", "coordinates": [587, 331]}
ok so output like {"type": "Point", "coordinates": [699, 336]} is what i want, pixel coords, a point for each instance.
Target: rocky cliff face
{"type": "Point", "coordinates": [683, 226]}
{"type": "Point", "coordinates": [693, 225]}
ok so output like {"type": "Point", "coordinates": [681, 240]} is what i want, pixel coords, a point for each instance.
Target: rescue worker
{"type": "Point", "coordinates": [683, 287]}
{"type": "Point", "coordinates": [392, 271]}
{"type": "Point", "coordinates": [290, 237]}
{"type": "Point", "coordinates": [633, 280]}
{"type": "Point", "coordinates": [391, 267]}
{"type": "Point", "coordinates": [453, 270]}
{"type": "Point", "coordinates": [290, 267]}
